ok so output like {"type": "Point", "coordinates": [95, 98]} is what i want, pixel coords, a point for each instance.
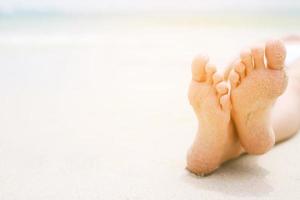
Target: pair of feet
{"type": "Point", "coordinates": [234, 112]}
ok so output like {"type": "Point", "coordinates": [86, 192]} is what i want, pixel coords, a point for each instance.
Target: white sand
{"type": "Point", "coordinates": [103, 115]}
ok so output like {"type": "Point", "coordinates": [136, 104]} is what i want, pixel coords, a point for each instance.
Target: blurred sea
{"type": "Point", "coordinates": [48, 42]}
{"type": "Point", "coordinates": [60, 27]}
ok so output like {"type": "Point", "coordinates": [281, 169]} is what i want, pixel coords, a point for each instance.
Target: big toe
{"type": "Point", "coordinates": [198, 68]}
{"type": "Point", "coordinates": [275, 53]}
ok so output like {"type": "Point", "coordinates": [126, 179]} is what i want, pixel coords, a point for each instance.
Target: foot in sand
{"type": "Point", "coordinates": [255, 86]}
{"type": "Point", "coordinates": [215, 141]}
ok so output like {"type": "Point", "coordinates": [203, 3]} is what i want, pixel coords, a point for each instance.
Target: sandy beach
{"type": "Point", "coordinates": [97, 109]}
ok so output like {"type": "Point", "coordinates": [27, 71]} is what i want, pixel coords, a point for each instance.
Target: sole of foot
{"type": "Point", "coordinates": [209, 97]}
{"type": "Point", "coordinates": [257, 80]}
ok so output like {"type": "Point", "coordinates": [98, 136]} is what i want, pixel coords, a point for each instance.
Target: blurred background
{"type": "Point", "coordinates": [93, 95]}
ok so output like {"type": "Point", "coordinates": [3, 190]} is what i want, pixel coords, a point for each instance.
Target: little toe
{"type": "Point", "coordinates": [234, 79]}
{"type": "Point", "coordinates": [225, 102]}
{"type": "Point", "coordinates": [198, 68]}
{"type": "Point", "coordinates": [246, 59]}
{"type": "Point", "coordinates": [222, 88]}
{"type": "Point", "coordinates": [210, 70]}
{"type": "Point", "coordinates": [275, 54]}
{"type": "Point", "coordinates": [240, 69]}
{"type": "Point", "coordinates": [258, 57]}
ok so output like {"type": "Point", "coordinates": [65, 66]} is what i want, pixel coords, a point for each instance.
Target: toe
{"type": "Point", "coordinates": [210, 70]}
{"type": "Point", "coordinates": [275, 54]}
{"type": "Point", "coordinates": [234, 79]}
{"type": "Point", "coordinates": [222, 88]}
{"type": "Point", "coordinates": [246, 59]}
{"type": "Point", "coordinates": [258, 57]}
{"type": "Point", "coordinates": [240, 69]}
{"type": "Point", "coordinates": [225, 102]}
{"type": "Point", "coordinates": [217, 78]}
{"type": "Point", "coordinates": [198, 68]}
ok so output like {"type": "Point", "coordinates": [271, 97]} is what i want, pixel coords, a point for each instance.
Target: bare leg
{"type": "Point", "coordinates": [285, 115]}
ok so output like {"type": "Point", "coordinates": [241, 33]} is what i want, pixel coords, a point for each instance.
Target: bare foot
{"type": "Point", "coordinates": [216, 140]}
{"type": "Point", "coordinates": [255, 87]}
